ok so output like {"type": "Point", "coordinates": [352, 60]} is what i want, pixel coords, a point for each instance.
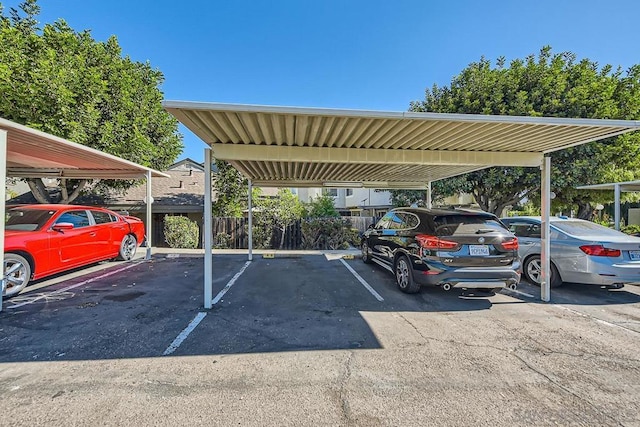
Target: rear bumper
{"type": "Point", "coordinates": [471, 277]}
{"type": "Point", "coordinates": [599, 272]}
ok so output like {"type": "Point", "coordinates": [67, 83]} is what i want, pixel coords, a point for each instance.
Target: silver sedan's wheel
{"type": "Point", "coordinates": [128, 248]}
{"type": "Point", "coordinates": [404, 276]}
{"type": "Point", "coordinates": [533, 272]}
{"type": "Point", "coordinates": [17, 272]}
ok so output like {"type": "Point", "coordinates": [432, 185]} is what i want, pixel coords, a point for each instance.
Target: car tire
{"type": "Point", "coordinates": [404, 275]}
{"type": "Point", "coordinates": [532, 267]}
{"type": "Point", "coordinates": [17, 272]}
{"type": "Point", "coordinates": [366, 256]}
{"type": "Point", "coordinates": [128, 248]}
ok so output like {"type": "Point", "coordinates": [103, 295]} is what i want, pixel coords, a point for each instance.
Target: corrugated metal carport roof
{"type": "Point", "coordinates": [312, 147]}
{"type": "Point", "coordinates": [36, 154]}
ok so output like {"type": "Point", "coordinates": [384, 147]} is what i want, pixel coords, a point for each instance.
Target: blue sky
{"type": "Point", "coordinates": [352, 54]}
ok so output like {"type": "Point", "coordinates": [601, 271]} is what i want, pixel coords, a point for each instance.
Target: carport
{"type": "Point", "coordinates": [317, 147]}
{"type": "Point", "coordinates": [29, 153]}
{"type": "Point", "coordinates": [617, 187]}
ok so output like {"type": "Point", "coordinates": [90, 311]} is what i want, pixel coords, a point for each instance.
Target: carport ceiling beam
{"type": "Point", "coordinates": [78, 174]}
{"type": "Point", "coordinates": [270, 153]}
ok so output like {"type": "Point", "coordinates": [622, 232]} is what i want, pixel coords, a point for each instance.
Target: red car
{"type": "Point", "coordinates": [41, 240]}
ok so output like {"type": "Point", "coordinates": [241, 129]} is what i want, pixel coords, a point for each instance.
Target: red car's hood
{"type": "Point", "coordinates": [11, 233]}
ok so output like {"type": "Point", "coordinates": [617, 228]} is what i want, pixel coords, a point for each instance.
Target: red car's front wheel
{"type": "Point", "coordinates": [17, 272]}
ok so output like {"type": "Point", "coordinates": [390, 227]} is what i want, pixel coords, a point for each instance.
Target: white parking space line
{"type": "Point", "coordinates": [598, 320]}
{"type": "Point", "coordinates": [518, 292]}
{"type": "Point", "coordinates": [184, 334]}
{"type": "Point", "coordinates": [231, 282]}
{"type": "Point", "coordinates": [31, 300]}
{"type": "Point", "coordinates": [361, 280]}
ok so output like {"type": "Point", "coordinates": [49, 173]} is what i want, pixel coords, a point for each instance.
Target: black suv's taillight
{"type": "Point", "coordinates": [435, 243]}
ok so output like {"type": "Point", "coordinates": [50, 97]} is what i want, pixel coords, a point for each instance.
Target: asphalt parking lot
{"type": "Point", "coordinates": [312, 340]}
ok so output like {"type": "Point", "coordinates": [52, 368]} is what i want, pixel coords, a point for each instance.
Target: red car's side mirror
{"type": "Point", "coordinates": [62, 226]}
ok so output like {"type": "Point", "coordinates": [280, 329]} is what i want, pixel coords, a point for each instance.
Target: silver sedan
{"type": "Point", "coordinates": [581, 252]}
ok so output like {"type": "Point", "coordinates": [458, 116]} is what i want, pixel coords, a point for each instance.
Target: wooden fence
{"type": "Point", "coordinates": [232, 233]}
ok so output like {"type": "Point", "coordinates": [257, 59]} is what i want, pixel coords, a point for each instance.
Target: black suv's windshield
{"type": "Point", "coordinates": [26, 219]}
{"type": "Point", "coordinates": [451, 225]}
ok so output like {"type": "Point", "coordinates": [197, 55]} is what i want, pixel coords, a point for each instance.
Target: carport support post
{"type": "Point", "coordinates": [250, 206]}
{"type": "Point", "coordinates": [545, 205]}
{"type": "Point", "coordinates": [149, 216]}
{"type": "Point", "coordinates": [616, 206]}
{"type": "Point", "coordinates": [429, 195]}
{"type": "Point", "coordinates": [208, 270]}
{"type": "Point", "coordinates": [3, 198]}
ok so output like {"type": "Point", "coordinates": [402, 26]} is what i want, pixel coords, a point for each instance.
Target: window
{"type": "Point", "coordinates": [333, 192]}
{"type": "Point", "coordinates": [349, 192]}
{"type": "Point", "coordinates": [101, 217]}
{"type": "Point", "coordinates": [451, 225]}
{"type": "Point", "coordinates": [77, 218]}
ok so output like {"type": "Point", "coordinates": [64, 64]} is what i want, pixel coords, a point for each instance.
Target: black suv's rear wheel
{"type": "Point", "coordinates": [404, 275]}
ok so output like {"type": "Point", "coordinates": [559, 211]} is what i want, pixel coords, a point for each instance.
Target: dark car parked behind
{"type": "Point", "coordinates": [451, 248]}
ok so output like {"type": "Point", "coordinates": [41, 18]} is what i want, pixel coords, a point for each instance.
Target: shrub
{"type": "Point", "coordinates": [180, 232]}
{"type": "Point", "coordinates": [327, 233]}
{"type": "Point", "coordinates": [222, 241]}
{"type": "Point", "coordinates": [633, 229]}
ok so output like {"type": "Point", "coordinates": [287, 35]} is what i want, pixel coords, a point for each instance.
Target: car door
{"type": "Point", "coordinates": [376, 242]}
{"type": "Point", "coordinates": [388, 238]}
{"type": "Point", "coordinates": [103, 239]}
{"type": "Point", "coordinates": [75, 246]}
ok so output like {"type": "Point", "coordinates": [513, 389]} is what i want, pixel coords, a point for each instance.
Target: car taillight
{"type": "Point", "coordinates": [434, 243]}
{"type": "Point", "coordinates": [599, 250]}
{"type": "Point", "coordinates": [511, 245]}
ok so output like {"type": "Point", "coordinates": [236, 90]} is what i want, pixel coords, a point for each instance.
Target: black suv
{"type": "Point", "coordinates": [451, 248]}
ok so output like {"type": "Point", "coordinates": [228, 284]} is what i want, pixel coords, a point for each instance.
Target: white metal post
{"type": "Point", "coordinates": [616, 206]}
{"type": "Point", "coordinates": [149, 215]}
{"type": "Point", "coordinates": [208, 231]}
{"type": "Point", "coordinates": [429, 195]}
{"type": "Point", "coordinates": [250, 206]}
{"type": "Point", "coordinates": [3, 198]}
{"type": "Point", "coordinates": [545, 202]}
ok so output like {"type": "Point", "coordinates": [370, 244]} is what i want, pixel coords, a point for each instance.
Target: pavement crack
{"type": "Point", "coordinates": [566, 389]}
{"type": "Point", "coordinates": [345, 408]}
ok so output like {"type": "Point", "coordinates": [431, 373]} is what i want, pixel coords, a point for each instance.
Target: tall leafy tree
{"type": "Point", "coordinates": [550, 85]}
{"type": "Point", "coordinates": [231, 191]}
{"type": "Point", "coordinates": [64, 82]}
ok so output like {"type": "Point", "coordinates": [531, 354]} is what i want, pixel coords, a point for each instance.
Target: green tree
{"type": "Point", "coordinates": [231, 191]}
{"type": "Point", "coordinates": [550, 85]}
{"type": "Point", "coordinates": [322, 206]}
{"type": "Point", "coordinates": [66, 83]}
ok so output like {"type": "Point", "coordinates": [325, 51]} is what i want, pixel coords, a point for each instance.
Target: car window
{"type": "Point", "coordinates": [450, 225]}
{"type": "Point", "coordinates": [26, 219]}
{"type": "Point", "coordinates": [410, 221]}
{"type": "Point", "coordinates": [101, 217]}
{"type": "Point", "coordinates": [77, 218]}
{"type": "Point", "coordinates": [396, 221]}
{"type": "Point", "coordinates": [525, 229]}
{"type": "Point", "coordinates": [385, 220]}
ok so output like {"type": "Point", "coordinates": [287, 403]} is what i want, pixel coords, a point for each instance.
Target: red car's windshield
{"type": "Point", "coordinates": [27, 219]}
